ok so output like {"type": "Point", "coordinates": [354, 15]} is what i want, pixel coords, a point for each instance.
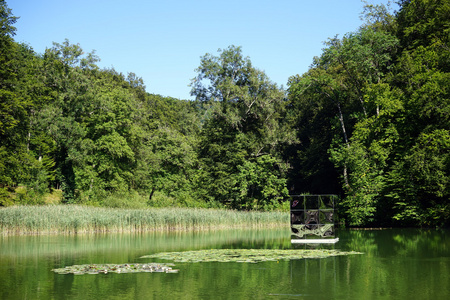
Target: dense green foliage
{"type": "Point", "coordinates": [242, 135]}
{"type": "Point", "coordinates": [376, 101]}
{"type": "Point", "coordinates": [369, 121]}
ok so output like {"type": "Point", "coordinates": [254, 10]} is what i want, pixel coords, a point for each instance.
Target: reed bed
{"type": "Point", "coordinates": [73, 219]}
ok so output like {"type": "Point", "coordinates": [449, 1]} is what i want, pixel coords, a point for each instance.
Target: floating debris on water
{"type": "Point", "coordinates": [245, 255]}
{"type": "Point", "coordinates": [113, 268]}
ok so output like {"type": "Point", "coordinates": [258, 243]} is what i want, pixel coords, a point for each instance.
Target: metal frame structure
{"type": "Point", "coordinates": [312, 219]}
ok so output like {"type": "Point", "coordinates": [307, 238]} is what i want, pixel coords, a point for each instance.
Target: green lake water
{"type": "Point", "coordinates": [395, 264]}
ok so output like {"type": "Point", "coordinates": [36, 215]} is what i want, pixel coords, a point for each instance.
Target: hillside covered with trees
{"type": "Point", "coordinates": [370, 121]}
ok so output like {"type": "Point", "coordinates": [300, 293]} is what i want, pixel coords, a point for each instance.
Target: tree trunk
{"type": "Point", "coordinates": [151, 194]}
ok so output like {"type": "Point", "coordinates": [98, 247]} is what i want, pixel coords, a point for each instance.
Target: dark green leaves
{"type": "Point", "coordinates": [383, 95]}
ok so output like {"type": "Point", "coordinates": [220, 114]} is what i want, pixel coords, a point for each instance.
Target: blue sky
{"type": "Point", "coordinates": [162, 41]}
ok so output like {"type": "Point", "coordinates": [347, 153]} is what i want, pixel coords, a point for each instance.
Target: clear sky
{"type": "Point", "coordinates": [162, 41]}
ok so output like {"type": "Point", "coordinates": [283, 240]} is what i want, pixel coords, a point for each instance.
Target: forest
{"type": "Point", "coordinates": [369, 121]}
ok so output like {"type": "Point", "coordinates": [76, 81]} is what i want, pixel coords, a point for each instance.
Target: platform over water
{"type": "Point", "coordinates": [314, 241]}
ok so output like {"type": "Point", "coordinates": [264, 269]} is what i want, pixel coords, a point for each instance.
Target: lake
{"type": "Point", "coordinates": [395, 264]}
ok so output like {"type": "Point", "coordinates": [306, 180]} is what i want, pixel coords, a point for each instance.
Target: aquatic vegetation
{"type": "Point", "coordinates": [112, 268]}
{"type": "Point", "coordinates": [246, 255]}
{"type": "Point", "coordinates": [73, 219]}
{"type": "Point", "coordinates": [213, 255]}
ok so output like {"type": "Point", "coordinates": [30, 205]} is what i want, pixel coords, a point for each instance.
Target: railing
{"type": "Point", "coordinates": [312, 218]}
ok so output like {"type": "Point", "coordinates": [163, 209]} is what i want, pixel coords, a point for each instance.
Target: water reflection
{"type": "Point", "coordinates": [150, 242]}
{"type": "Point", "coordinates": [400, 264]}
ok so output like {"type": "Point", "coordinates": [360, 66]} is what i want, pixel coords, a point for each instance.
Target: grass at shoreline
{"type": "Point", "coordinates": [72, 219]}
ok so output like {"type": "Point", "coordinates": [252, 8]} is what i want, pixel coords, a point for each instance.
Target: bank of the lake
{"type": "Point", "coordinates": [69, 219]}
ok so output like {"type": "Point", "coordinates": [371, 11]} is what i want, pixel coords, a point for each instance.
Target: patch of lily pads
{"type": "Point", "coordinates": [213, 255]}
{"type": "Point", "coordinates": [246, 255]}
{"type": "Point", "coordinates": [113, 268]}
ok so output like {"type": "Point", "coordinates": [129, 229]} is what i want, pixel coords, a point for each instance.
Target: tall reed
{"type": "Point", "coordinates": [68, 219]}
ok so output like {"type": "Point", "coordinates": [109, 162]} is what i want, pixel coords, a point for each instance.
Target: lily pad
{"type": "Point", "coordinates": [245, 255]}
{"type": "Point", "coordinates": [112, 268]}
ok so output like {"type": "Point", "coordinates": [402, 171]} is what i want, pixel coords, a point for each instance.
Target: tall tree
{"type": "Point", "coordinates": [244, 124]}
{"type": "Point", "coordinates": [418, 182]}
{"type": "Point", "coordinates": [337, 87]}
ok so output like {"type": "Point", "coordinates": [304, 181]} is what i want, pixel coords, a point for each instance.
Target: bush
{"type": "Point", "coordinates": [125, 200]}
{"type": "Point", "coordinates": [26, 196]}
{"type": "Point", "coordinates": [5, 197]}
